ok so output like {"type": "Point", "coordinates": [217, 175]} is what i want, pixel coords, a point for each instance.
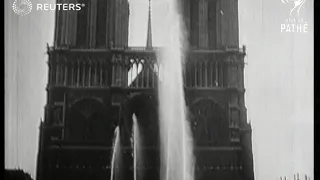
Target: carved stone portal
{"type": "Point", "coordinates": [208, 122]}
{"type": "Point", "coordinates": [88, 121]}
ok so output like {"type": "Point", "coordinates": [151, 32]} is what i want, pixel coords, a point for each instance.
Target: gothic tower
{"type": "Point", "coordinates": [96, 83]}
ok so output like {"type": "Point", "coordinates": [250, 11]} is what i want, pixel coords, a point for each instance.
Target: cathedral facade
{"type": "Point", "coordinates": [96, 82]}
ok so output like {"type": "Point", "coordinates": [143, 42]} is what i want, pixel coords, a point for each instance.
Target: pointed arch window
{"type": "Point", "coordinates": [82, 25]}
{"type": "Point", "coordinates": [101, 33]}
{"type": "Point", "coordinates": [212, 24]}
{"type": "Point", "coordinates": [194, 23]}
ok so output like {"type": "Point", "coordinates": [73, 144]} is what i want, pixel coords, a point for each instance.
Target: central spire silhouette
{"type": "Point", "coordinates": [149, 35]}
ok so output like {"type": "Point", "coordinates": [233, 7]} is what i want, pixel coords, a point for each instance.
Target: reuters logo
{"type": "Point", "coordinates": [22, 7]}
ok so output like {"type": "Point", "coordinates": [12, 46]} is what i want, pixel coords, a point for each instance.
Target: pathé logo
{"type": "Point", "coordinates": [297, 4]}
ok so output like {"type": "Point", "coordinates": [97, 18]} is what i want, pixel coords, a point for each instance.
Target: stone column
{"type": "Point", "coordinates": [78, 73]}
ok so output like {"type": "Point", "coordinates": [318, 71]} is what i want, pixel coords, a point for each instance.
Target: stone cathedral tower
{"type": "Point", "coordinates": [96, 82]}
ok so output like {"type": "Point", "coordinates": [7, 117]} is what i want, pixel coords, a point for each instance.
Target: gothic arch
{"type": "Point", "coordinates": [208, 122]}
{"type": "Point", "coordinates": [197, 100]}
{"type": "Point", "coordinates": [88, 120]}
{"type": "Point", "coordinates": [87, 98]}
{"type": "Point", "coordinates": [145, 108]}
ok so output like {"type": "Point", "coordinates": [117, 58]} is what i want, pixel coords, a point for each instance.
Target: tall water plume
{"type": "Point", "coordinates": [136, 146]}
{"type": "Point", "coordinates": [115, 159]}
{"type": "Point", "coordinates": [176, 139]}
